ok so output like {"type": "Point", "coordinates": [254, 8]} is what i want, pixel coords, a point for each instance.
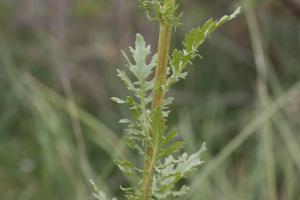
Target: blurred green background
{"type": "Point", "coordinates": [58, 127]}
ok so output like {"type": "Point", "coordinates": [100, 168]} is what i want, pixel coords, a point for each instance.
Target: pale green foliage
{"type": "Point", "coordinates": [193, 40]}
{"type": "Point", "coordinates": [97, 194]}
{"type": "Point", "coordinates": [141, 87]}
{"type": "Point", "coordinates": [157, 10]}
{"type": "Point", "coordinates": [140, 69]}
{"type": "Point", "coordinates": [138, 79]}
{"type": "Point", "coordinates": [167, 169]}
{"type": "Point", "coordinates": [173, 170]}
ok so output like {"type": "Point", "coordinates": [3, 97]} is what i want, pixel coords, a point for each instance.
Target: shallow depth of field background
{"type": "Point", "coordinates": [58, 126]}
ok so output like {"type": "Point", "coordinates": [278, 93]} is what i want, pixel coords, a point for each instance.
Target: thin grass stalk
{"type": "Point", "coordinates": [265, 115]}
{"type": "Point", "coordinates": [264, 100]}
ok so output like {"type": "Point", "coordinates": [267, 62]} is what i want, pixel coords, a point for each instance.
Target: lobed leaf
{"type": "Point", "coordinates": [140, 69]}
{"type": "Point", "coordinates": [172, 170]}
{"type": "Point", "coordinates": [192, 41]}
{"type": "Point", "coordinates": [198, 35]}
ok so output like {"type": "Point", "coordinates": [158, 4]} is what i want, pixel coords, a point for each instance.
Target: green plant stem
{"type": "Point", "coordinates": [161, 68]}
{"type": "Point", "coordinates": [157, 101]}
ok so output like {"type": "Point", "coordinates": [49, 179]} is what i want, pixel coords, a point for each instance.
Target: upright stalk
{"type": "Point", "coordinates": [161, 68]}
{"type": "Point", "coordinates": [157, 100]}
{"type": "Point", "coordinates": [159, 143]}
{"type": "Point", "coordinates": [264, 100]}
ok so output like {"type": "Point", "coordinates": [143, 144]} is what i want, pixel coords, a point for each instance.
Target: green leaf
{"type": "Point", "coordinates": [133, 143]}
{"type": "Point", "coordinates": [182, 191]}
{"type": "Point", "coordinates": [172, 170]}
{"type": "Point", "coordinates": [192, 41]}
{"type": "Point", "coordinates": [227, 18]}
{"type": "Point", "coordinates": [133, 106]}
{"type": "Point", "coordinates": [198, 35]}
{"type": "Point", "coordinates": [118, 100]}
{"type": "Point", "coordinates": [140, 69]}
{"type": "Point", "coordinates": [127, 167]}
{"type": "Point", "coordinates": [126, 80]}
{"type": "Point", "coordinates": [131, 193]}
{"type": "Point", "coordinates": [169, 137]}
{"type": "Point", "coordinates": [176, 61]}
{"type": "Point", "coordinates": [171, 149]}
{"type": "Point", "coordinates": [166, 104]}
{"type": "Point", "coordinates": [97, 194]}
{"type": "Point", "coordinates": [124, 121]}
{"type": "Point", "coordinates": [158, 126]}
{"type": "Point", "coordinates": [190, 163]}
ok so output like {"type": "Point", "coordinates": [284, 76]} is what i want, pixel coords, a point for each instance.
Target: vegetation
{"type": "Point", "coordinates": [146, 131]}
{"type": "Point", "coordinates": [58, 126]}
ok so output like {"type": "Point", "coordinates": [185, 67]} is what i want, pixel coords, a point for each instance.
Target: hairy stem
{"type": "Point", "coordinates": [157, 101]}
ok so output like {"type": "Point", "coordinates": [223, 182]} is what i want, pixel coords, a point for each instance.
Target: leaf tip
{"type": "Point", "coordinates": [236, 12]}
